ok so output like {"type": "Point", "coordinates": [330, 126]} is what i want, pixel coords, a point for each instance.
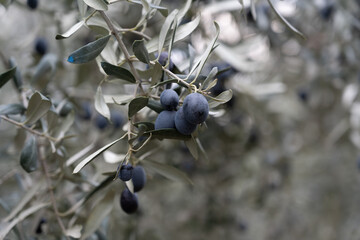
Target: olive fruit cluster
{"type": "Point", "coordinates": [194, 110]}
{"type": "Point", "coordinates": [128, 200]}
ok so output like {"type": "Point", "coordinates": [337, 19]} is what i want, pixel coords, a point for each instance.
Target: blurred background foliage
{"type": "Point", "coordinates": [282, 157]}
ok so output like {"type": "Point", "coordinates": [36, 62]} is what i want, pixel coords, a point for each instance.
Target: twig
{"type": "Point", "coordinates": [188, 85]}
{"type": "Point", "coordinates": [8, 175]}
{"type": "Point", "coordinates": [122, 48]}
{"type": "Point", "coordinates": [171, 74]}
{"type": "Point", "coordinates": [40, 134]}
{"type": "Point", "coordinates": [53, 200]}
{"type": "Point", "coordinates": [125, 30]}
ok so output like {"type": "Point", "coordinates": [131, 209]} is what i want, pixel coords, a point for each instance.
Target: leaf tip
{"type": "Point", "coordinates": [70, 59]}
{"type": "Point", "coordinates": [76, 170]}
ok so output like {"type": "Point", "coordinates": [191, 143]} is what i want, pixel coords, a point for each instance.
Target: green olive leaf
{"type": "Point", "coordinates": [167, 171]}
{"type": "Point", "coordinates": [220, 99]}
{"type": "Point", "coordinates": [99, 5]}
{"type": "Point", "coordinates": [98, 214]}
{"type": "Point", "coordinates": [182, 32]}
{"type": "Point", "coordinates": [71, 31]}
{"type": "Point", "coordinates": [38, 106]}
{"type": "Point", "coordinates": [165, 29]}
{"type": "Point", "coordinates": [6, 76]}
{"type": "Point", "coordinates": [287, 24]}
{"type": "Point", "coordinates": [208, 50]}
{"type": "Point", "coordinates": [17, 78]}
{"type": "Point", "coordinates": [155, 105]}
{"type": "Point", "coordinates": [157, 73]}
{"type": "Point", "coordinates": [140, 51]}
{"type": "Point", "coordinates": [136, 105]}
{"type": "Point", "coordinates": [168, 133]}
{"type": "Point", "coordinates": [88, 52]}
{"type": "Point", "coordinates": [100, 104]}
{"type": "Point", "coordinates": [92, 156]}
{"type": "Point", "coordinates": [118, 72]}
{"type": "Point", "coordinates": [209, 78]}
{"type": "Point", "coordinates": [192, 146]}
{"type": "Point", "coordinates": [29, 155]}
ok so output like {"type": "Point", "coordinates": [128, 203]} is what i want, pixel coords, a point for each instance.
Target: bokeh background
{"type": "Point", "coordinates": [282, 155]}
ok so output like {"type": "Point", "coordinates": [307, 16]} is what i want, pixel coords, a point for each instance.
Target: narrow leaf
{"type": "Point", "coordinates": [82, 7]}
{"type": "Point", "coordinates": [209, 78]}
{"type": "Point", "coordinates": [145, 125]}
{"type": "Point", "coordinates": [145, 74]}
{"type": "Point", "coordinates": [157, 73]}
{"type": "Point", "coordinates": [111, 157]}
{"type": "Point", "coordinates": [88, 52]}
{"type": "Point", "coordinates": [182, 32]}
{"type": "Point", "coordinates": [129, 184]}
{"type": "Point", "coordinates": [220, 99]}
{"type": "Point", "coordinates": [29, 156]}
{"type": "Point", "coordinates": [100, 104]}
{"type": "Point", "coordinates": [184, 10]}
{"type": "Point", "coordinates": [64, 125]}
{"type": "Point", "coordinates": [98, 23]}
{"type": "Point", "coordinates": [287, 24]}
{"type": "Point", "coordinates": [17, 78]}
{"type": "Point", "coordinates": [155, 105]}
{"type": "Point", "coordinates": [192, 56]}
{"type": "Point", "coordinates": [118, 72]}
{"type": "Point", "coordinates": [71, 31]}
{"type": "Point", "coordinates": [99, 5]}
{"type": "Point", "coordinates": [192, 146]}
{"type": "Point", "coordinates": [92, 156]}
{"type": "Point", "coordinates": [208, 50]}
{"type": "Point", "coordinates": [167, 171]}
{"type": "Point", "coordinates": [38, 106]}
{"type": "Point", "coordinates": [168, 133]}
{"type": "Point", "coordinates": [140, 51]}
{"type": "Point", "coordinates": [145, 5]}
{"type": "Point", "coordinates": [171, 44]}
{"type": "Point", "coordinates": [12, 109]}
{"type": "Point", "coordinates": [211, 85]}
{"type": "Point", "coordinates": [80, 154]}
{"type": "Point", "coordinates": [202, 150]}
{"type": "Point", "coordinates": [165, 29]}
{"type": "Point", "coordinates": [24, 200]}
{"type": "Point", "coordinates": [253, 9]}
{"type": "Point", "coordinates": [6, 76]}
{"type": "Point", "coordinates": [162, 10]}
{"type": "Point", "coordinates": [118, 99]}
{"type": "Point", "coordinates": [136, 105]}
{"type": "Point", "coordinates": [101, 186]}
{"type": "Point", "coordinates": [97, 189]}
{"type": "Point", "coordinates": [4, 230]}
{"type": "Point", "coordinates": [98, 214]}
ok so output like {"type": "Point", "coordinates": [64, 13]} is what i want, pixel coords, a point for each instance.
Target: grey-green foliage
{"type": "Point", "coordinates": [88, 52]}
{"type": "Point", "coordinates": [29, 155]}
{"type": "Point", "coordinates": [69, 145]}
